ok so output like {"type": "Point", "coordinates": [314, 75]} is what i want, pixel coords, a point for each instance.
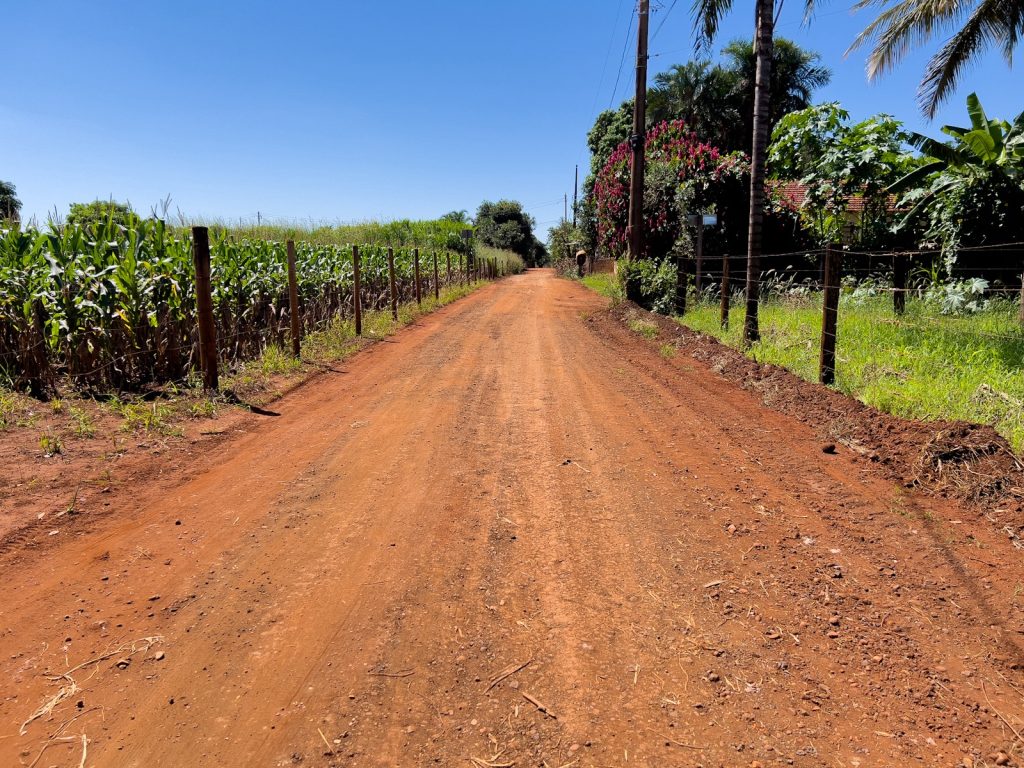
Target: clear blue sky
{"type": "Point", "coordinates": [347, 111]}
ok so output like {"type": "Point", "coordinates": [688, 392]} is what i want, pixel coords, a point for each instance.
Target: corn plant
{"type": "Point", "coordinates": [106, 306]}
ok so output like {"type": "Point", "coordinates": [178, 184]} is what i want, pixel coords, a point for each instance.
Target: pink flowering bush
{"type": "Point", "coordinates": [676, 160]}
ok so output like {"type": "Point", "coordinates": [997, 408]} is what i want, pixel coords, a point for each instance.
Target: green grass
{"type": "Point", "coordinates": [923, 366]}
{"type": "Point", "coordinates": [645, 328]}
{"type": "Point", "coordinates": [81, 422]}
{"type": "Point", "coordinates": [605, 284]}
{"type": "Point", "coordinates": [137, 416]}
{"type": "Point", "coordinates": [50, 444]}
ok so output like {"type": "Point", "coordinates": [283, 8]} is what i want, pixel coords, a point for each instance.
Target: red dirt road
{"type": "Point", "coordinates": [518, 480]}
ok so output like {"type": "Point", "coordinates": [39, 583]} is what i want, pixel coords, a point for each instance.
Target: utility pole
{"type": "Point", "coordinates": [575, 195]}
{"type": "Point", "coordinates": [637, 140]}
{"type": "Point", "coordinates": [565, 208]}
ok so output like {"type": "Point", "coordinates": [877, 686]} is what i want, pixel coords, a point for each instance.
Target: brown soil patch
{"type": "Point", "coordinates": [971, 462]}
{"type": "Point", "coordinates": [516, 534]}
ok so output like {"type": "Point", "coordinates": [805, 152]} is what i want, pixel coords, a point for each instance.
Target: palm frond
{"type": "Point", "coordinates": [985, 26]}
{"type": "Point", "coordinates": [905, 24]}
{"type": "Point", "coordinates": [707, 17]}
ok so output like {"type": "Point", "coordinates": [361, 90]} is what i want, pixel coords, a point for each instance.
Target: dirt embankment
{"type": "Point", "coordinates": [518, 534]}
{"type": "Point", "coordinates": [968, 462]}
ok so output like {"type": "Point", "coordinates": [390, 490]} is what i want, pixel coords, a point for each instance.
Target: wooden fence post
{"type": "Point", "coordinates": [830, 313]}
{"type": "Point", "coordinates": [698, 282]}
{"type": "Point", "coordinates": [204, 307]}
{"type": "Point", "coordinates": [437, 283]}
{"type": "Point", "coordinates": [681, 284]}
{"type": "Point", "coordinates": [448, 259]}
{"type": "Point", "coordinates": [293, 299]}
{"type": "Point", "coordinates": [391, 283]}
{"type": "Point", "coordinates": [899, 283]}
{"type": "Point", "coordinates": [416, 267]}
{"type": "Point", "coordinates": [357, 300]}
{"type": "Point", "coordinates": [1022, 297]}
{"type": "Point", "coordinates": [725, 293]}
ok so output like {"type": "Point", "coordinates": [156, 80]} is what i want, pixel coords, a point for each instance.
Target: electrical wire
{"type": "Point", "coordinates": [607, 56]}
{"type": "Point", "coordinates": [663, 20]}
{"type": "Point", "coordinates": [622, 59]}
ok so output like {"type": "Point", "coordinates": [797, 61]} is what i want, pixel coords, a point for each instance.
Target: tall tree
{"type": "Point", "coordinates": [708, 15]}
{"type": "Point", "coordinates": [701, 94]}
{"type": "Point", "coordinates": [459, 217]}
{"type": "Point", "coordinates": [101, 212]}
{"type": "Point", "coordinates": [838, 162]}
{"type": "Point", "coordinates": [717, 100]}
{"type": "Point", "coordinates": [904, 24]}
{"type": "Point", "coordinates": [795, 75]}
{"type": "Point", "coordinates": [505, 224]}
{"type": "Point", "coordinates": [10, 205]}
{"type": "Point", "coordinates": [611, 128]}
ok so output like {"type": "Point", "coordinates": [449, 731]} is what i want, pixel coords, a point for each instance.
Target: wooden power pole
{"type": "Point", "coordinates": [637, 140]}
{"type": "Point", "coordinates": [575, 195]}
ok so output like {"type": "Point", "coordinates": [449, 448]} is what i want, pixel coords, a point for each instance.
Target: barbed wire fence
{"type": "Point", "coordinates": [944, 293]}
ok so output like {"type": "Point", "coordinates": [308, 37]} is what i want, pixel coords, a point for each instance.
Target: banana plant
{"type": "Point", "coordinates": [989, 148]}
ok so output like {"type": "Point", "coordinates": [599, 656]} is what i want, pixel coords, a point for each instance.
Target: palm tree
{"type": "Point", "coordinates": [717, 100]}
{"type": "Point", "coordinates": [906, 23]}
{"type": "Point", "coordinates": [708, 15]}
{"type": "Point", "coordinates": [795, 75]}
{"type": "Point", "coordinates": [10, 205]}
{"type": "Point", "coordinates": [703, 96]}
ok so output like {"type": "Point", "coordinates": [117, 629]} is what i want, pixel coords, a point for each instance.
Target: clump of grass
{"type": "Point", "coordinates": [645, 328]}
{"type": "Point", "coordinates": [50, 444]}
{"type": "Point", "coordinates": [205, 408]}
{"type": "Point", "coordinates": [922, 365]}
{"type": "Point", "coordinates": [277, 360]}
{"type": "Point", "coordinates": [16, 410]}
{"type": "Point", "coordinates": [8, 409]}
{"type": "Point", "coordinates": [57, 405]}
{"type": "Point", "coordinates": [144, 417]}
{"type": "Point", "coordinates": [81, 422]}
{"type": "Point", "coordinates": [667, 351]}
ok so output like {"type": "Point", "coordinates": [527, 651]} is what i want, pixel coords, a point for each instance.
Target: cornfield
{"type": "Point", "coordinates": [114, 308]}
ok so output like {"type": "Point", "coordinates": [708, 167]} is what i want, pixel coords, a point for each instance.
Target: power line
{"type": "Point", "coordinates": [607, 55]}
{"type": "Point", "coordinates": [622, 60]}
{"type": "Point", "coordinates": [663, 20]}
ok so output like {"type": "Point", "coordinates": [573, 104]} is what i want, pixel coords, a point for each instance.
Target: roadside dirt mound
{"type": "Point", "coordinates": [970, 462]}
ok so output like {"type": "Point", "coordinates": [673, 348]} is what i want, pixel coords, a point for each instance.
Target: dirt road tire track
{"type": "Point", "coordinates": [517, 479]}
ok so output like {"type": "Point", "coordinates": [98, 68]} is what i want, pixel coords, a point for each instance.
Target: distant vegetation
{"type": "Point", "coordinates": [10, 205]}
{"type": "Point", "coordinates": [506, 225]}
{"type": "Point", "coordinates": [106, 300]}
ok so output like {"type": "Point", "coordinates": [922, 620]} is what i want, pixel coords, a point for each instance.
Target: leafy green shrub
{"type": "Point", "coordinates": [959, 297]}
{"type": "Point", "coordinates": [650, 284]}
